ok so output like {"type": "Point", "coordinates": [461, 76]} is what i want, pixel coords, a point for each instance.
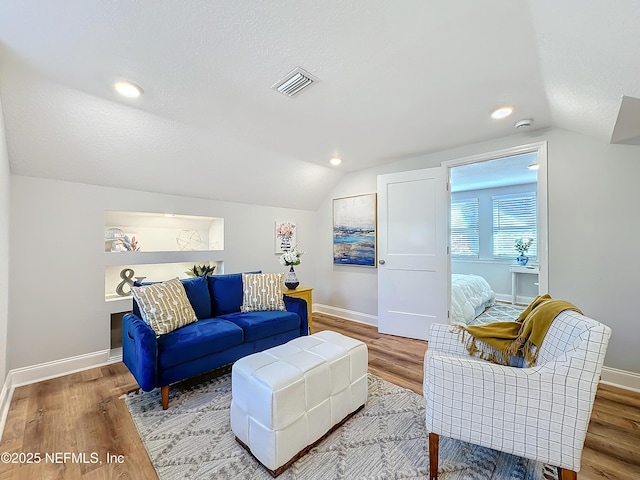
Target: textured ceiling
{"type": "Point", "coordinates": [396, 79]}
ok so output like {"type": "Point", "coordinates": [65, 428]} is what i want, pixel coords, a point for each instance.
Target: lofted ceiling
{"type": "Point", "coordinates": [396, 79]}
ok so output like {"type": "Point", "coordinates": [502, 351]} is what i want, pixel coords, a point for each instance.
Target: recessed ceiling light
{"type": "Point", "coordinates": [502, 112]}
{"type": "Point", "coordinates": [128, 89]}
{"type": "Point", "coordinates": [533, 166]}
{"type": "Point", "coordinates": [335, 160]}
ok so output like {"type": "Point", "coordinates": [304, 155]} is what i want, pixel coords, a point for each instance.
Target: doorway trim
{"type": "Point", "coordinates": [543, 228]}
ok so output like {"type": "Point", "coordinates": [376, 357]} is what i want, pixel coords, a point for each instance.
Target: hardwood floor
{"type": "Point", "coordinates": [81, 413]}
{"type": "Point", "coordinates": [396, 359]}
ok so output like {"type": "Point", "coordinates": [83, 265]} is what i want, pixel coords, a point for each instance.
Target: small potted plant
{"type": "Point", "coordinates": [201, 270]}
{"type": "Point", "coordinates": [522, 245]}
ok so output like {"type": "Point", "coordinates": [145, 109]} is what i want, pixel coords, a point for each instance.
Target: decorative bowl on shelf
{"type": "Point", "coordinates": [113, 234]}
{"type": "Point", "coordinates": [113, 240]}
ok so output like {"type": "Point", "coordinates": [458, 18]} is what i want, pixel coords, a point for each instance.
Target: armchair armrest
{"type": "Point", "coordinates": [448, 339]}
{"type": "Point", "coordinates": [299, 306]}
{"type": "Point", "coordinates": [140, 351]}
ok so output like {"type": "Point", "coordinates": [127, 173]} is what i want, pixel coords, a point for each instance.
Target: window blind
{"type": "Point", "coordinates": [514, 216]}
{"type": "Point", "coordinates": [464, 228]}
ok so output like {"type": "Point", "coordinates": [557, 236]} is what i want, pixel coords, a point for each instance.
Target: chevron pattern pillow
{"type": "Point", "coordinates": [262, 291]}
{"type": "Point", "coordinates": [164, 306]}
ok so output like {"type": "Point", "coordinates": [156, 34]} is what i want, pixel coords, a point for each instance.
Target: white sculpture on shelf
{"type": "Point", "coordinates": [189, 240]}
{"type": "Point", "coordinates": [113, 240]}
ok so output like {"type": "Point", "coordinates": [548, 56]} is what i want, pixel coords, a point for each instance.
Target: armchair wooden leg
{"type": "Point", "coordinates": [565, 474]}
{"type": "Point", "coordinates": [164, 394]}
{"type": "Point", "coordinates": [434, 443]}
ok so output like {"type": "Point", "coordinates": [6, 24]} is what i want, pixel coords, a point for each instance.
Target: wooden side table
{"type": "Point", "coordinates": [305, 293]}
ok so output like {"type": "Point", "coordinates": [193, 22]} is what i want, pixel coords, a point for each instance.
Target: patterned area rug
{"type": "Point", "coordinates": [500, 312]}
{"type": "Point", "coordinates": [385, 440]}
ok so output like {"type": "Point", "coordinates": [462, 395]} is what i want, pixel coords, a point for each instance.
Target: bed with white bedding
{"type": "Point", "coordinates": [470, 295]}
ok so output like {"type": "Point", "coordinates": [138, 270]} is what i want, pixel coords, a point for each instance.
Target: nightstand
{"type": "Point", "coordinates": [515, 271]}
{"type": "Point", "coordinates": [305, 293]}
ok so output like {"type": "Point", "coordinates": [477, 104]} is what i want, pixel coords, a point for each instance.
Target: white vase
{"type": "Point", "coordinates": [290, 279]}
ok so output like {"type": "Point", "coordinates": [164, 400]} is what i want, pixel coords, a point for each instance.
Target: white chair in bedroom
{"type": "Point", "coordinates": [541, 412]}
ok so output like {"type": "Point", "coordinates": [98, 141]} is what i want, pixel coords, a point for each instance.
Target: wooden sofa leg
{"type": "Point", "coordinates": [434, 443]}
{"type": "Point", "coordinates": [565, 474]}
{"type": "Point", "coordinates": [164, 393]}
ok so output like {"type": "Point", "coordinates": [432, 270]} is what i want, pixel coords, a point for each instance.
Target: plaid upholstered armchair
{"type": "Point", "coordinates": [541, 412]}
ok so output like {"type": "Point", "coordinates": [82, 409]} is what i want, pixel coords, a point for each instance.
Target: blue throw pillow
{"type": "Point", "coordinates": [226, 293]}
{"type": "Point", "coordinates": [198, 295]}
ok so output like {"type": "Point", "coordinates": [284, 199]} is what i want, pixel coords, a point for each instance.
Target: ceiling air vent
{"type": "Point", "coordinates": [294, 82]}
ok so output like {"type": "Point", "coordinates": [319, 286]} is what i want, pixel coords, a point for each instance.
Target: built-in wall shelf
{"type": "Point", "coordinates": [124, 301]}
{"type": "Point", "coordinates": [148, 258]}
{"type": "Point", "coordinates": [152, 272]}
{"type": "Point", "coordinates": [160, 232]}
{"type": "Point", "coordinates": [169, 245]}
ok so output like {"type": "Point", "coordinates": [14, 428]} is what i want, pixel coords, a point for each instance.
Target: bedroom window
{"type": "Point", "coordinates": [514, 216]}
{"type": "Point", "coordinates": [464, 228]}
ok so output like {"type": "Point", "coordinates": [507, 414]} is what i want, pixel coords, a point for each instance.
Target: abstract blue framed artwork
{"type": "Point", "coordinates": [354, 230]}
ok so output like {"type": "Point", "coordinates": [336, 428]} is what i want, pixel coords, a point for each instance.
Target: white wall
{"type": "Point", "coordinates": [56, 307]}
{"type": "Point", "coordinates": [592, 201]}
{"type": "Point", "coordinates": [4, 247]}
{"type": "Point", "coordinates": [57, 258]}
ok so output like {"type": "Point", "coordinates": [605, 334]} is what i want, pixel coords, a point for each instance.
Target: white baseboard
{"type": "Point", "coordinates": [5, 402]}
{"type": "Point", "coordinates": [44, 371]}
{"type": "Point", "coordinates": [346, 314]}
{"type": "Point", "coordinates": [621, 379]}
{"type": "Point", "coordinates": [507, 299]}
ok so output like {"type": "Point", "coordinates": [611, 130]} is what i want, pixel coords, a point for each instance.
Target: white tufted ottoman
{"type": "Point", "coordinates": [287, 398]}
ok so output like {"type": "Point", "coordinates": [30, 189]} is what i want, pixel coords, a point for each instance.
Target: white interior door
{"type": "Point", "coordinates": [412, 250]}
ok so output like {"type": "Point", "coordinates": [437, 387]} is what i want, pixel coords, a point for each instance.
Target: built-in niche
{"type": "Point", "coordinates": [156, 232]}
{"type": "Point", "coordinates": [153, 247]}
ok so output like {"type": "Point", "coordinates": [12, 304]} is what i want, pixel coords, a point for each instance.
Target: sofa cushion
{"type": "Point", "coordinates": [258, 325]}
{"type": "Point", "coordinates": [262, 291]}
{"type": "Point", "coordinates": [164, 306]}
{"type": "Point", "coordinates": [226, 293]}
{"type": "Point", "coordinates": [197, 340]}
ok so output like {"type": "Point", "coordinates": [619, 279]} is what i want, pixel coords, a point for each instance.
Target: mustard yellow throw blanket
{"type": "Point", "coordinates": [523, 336]}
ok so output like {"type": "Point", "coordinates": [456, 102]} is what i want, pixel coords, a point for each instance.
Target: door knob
{"type": "Point", "coordinates": [381, 262]}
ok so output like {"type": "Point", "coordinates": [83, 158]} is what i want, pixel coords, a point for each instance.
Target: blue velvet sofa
{"type": "Point", "coordinates": [222, 334]}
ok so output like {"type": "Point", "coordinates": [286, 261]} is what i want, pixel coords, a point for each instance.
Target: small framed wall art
{"type": "Point", "coordinates": [285, 236]}
{"type": "Point", "coordinates": [354, 230]}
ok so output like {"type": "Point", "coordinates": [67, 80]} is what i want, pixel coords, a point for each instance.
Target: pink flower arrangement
{"type": "Point", "coordinates": [285, 230]}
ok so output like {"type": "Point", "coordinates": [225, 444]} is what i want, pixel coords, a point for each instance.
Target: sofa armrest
{"type": "Point", "coordinates": [140, 351]}
{"type": "Point", "coordinates": [299, 306]}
